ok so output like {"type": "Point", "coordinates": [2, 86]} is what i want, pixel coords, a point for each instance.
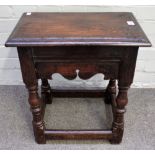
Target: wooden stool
{"type": "Point", "coordinates": [93, 43]}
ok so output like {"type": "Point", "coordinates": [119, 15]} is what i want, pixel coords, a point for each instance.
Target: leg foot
{"type": "Point", "coordinates": [115, 141]}
{"type": "Point", "coordinates": [38, 133]}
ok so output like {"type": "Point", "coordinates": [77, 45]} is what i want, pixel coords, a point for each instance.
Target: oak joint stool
{"type": "Point", "coordinates": [93, 43]}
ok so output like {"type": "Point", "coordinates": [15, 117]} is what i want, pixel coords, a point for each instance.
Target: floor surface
{"type": "Point", "coordinates": [78, 113]}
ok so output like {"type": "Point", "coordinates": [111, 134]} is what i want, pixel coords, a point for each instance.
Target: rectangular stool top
{"type": "Point", "coordinates": [57, 29]}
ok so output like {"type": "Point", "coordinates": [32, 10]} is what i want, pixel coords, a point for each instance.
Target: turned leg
{"type": "Point", "coordinates": [38, 124]}
{"type": "Point", "coordinates": [46, 92]}
{"type": "Point", "coordinates": [31, 82]}
{"type": "Point", "coordinates": [110, 90]}
{"type": "Point", "coordinates": [118, 122]}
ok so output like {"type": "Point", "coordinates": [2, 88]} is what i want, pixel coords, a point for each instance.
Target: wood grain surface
{"type": "Point", "coordinates": [49, 29]}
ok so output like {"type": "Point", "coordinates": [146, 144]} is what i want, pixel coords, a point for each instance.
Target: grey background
{"type": "Point", "coordinates": [16, 129]}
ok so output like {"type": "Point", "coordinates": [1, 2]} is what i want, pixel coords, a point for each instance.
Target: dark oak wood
{"type": "Point", "coordinates": [110, 91]}
{"type": "Point", "coordinates": [77, 134]}
{"type": "Point", "coordinates": [30, 80]}
{"type": "Point", "coordinates": [46, 92]}
{"type": "Point", "coordinates": [78, 44]}
{"type": "Point", "coordinates": [55, 29]}
{"type": "Point", "coordinates": [74, 93]}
